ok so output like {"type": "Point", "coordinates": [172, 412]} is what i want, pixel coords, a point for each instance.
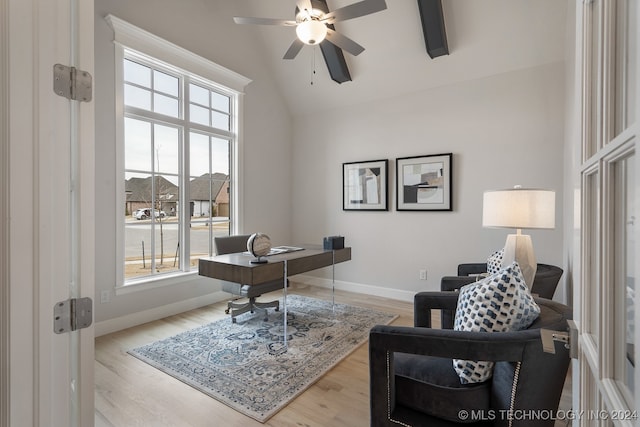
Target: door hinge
{"type": "Point", "coordinates": [569, 338]}
{"type": "Point", "coordinates": [72, 314]}
{"type": "Point", "coordinates": [71, 83]}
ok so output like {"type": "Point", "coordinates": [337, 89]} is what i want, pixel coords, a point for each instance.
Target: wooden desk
{"type": "Point", "coordinates": [238, 268]}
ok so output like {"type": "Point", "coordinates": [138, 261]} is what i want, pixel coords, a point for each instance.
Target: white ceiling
{"type": "Point", "coordinates": [485, 37]}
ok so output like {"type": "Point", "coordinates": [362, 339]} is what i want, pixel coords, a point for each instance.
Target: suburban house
{"type": "Point", "coordinates": [139, 194]}
{"type": "Point", "coordinates": [210, 187]}
{"type": "Point", "coordinates": [538, 93]}
{"type": "Point", "coordinates": [215, 186]}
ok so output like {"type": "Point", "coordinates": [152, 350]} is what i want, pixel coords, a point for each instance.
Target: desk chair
{"type": "Point", "coordinates": [234, 244]}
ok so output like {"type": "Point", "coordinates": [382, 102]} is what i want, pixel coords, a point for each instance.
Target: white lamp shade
{"type": "Point", "coordinates": [311, 31]}
{"type": "Point", "coordinates": [519, 208]}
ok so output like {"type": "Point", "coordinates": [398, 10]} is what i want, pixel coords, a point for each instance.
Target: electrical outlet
{"type": "Point", "coordinates": [423, 274]}
{"type": "Point", "coordinates": [105, 296]}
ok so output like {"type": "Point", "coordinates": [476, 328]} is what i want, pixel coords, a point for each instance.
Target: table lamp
{"type": "Point", "coordinates": [520, 208]}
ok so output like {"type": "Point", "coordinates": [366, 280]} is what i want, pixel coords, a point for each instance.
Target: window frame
{"type": "Point", "coordinates": [130, 40]}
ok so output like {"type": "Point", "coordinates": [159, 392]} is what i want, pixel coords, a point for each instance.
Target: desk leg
{"type": "Point", "coordinates": [333, 280]}
{"type": "Point", "coordinates": [285, 302]}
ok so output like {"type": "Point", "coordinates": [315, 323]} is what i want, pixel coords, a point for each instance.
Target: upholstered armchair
{"type": "Point", "coordinates": [544, 283]}
{"type": "Point", "coordinates": [234, 244]}
{"type": "Point", "coordinates": [413, 382]}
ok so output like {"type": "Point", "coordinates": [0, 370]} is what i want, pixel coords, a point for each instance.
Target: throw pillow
{"type": "Point", "coordinates": [498, 303]}
{"type": "Point", "coordinates": [494, 262]}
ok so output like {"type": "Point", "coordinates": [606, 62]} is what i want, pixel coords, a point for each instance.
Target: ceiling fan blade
{"type": "Point", "coordinates": [355, 10]}
{"type": "Point", "coordinates": [344, 43]}
{"type": "Point", "coordinates": [293, 49]}
{"type": "Point", "coordinates": [304, 5]}
{"type": "Point", "coordinates": [264, 21]}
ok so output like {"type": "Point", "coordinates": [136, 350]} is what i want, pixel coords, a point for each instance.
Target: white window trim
{"type": "Point", "coordinates": [138, 39]}
{"type": "Point", "coordinates": [131, 37]}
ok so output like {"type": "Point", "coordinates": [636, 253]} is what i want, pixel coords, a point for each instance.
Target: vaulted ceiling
{"type": "Point", "coordinates": [485, 37]}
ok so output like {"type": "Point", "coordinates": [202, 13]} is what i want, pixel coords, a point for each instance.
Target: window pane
{"type": "Point", "coordinates": [137, 145]}
{"type": "Point", "coordinates": [199, 115]}
{"type": "Point", "coordinates": [166, 191]}
{"type": "Point", "coordinates": [200, 241]}
{"type": "Point", "coordinates": [592, 101]}
{"type": "Point", "coordinates": [220, 102]}
{"type": "Point", "coordinates": [166, 226]}
{"type": "Point", "coordinates": [165, 83]}
{"type": "Point", "coordinates": [199, 154]}
{"type": "Point", "coordinates": [220, 155]}
{"type": "Point", "coordinates": [219, 120]}
{"type": "Point", "coordinates": [137, 73]}
{"type": "Point", "coordinates": [136, 97]}
{"type": "Point", "coordinates": [137, 231]}
{"type": "Point", "coordinates": [592, 284]}
{"type": "Point", "coordinates": [220, 186]}
{"type": "Point", "coordinates": [166, 146]}
{"type": "Point", "coordinates": [632, 55]}
{"type": "Point", "coordinates": [199, 95]}
{"type": "Point", "coordinates": [625, 229]}
{"type": "Point", "coordinates": [165, 105]}
{"type": "Point", "coordinates": [626, 54]}
{"type": "Point", "coordinates": [210, 213]}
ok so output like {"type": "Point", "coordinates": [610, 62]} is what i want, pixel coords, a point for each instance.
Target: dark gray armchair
{"type": "Point", "coordinates": [544, 282]}
{"type": "Point", "coordinates": [235, 244]}
{"type": "Point", "coordinates": [413, 382]}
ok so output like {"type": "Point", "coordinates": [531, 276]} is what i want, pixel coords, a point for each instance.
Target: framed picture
{"type": "Point", "coordinates": [365, 185]}
{"type": "Point", "coordinates": [424, 183]}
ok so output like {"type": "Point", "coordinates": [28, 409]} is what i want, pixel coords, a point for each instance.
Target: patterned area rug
{"type": "Point", "coordinates": [247, 365]}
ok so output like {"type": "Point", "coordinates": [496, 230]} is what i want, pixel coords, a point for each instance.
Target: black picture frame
{"type": "Point", "coordinates": [424, 183]}
{"type": "Point", "coordinates": [365, 185]}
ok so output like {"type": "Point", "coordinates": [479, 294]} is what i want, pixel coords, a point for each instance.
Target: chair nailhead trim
{"type": "Point", "coordinates": [389, 395]}
{"type": "Point", "coordinates": [514, 387]}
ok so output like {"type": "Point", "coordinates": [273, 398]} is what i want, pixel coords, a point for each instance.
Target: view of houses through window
{"type": "Point", "coordinates": [178, 137]}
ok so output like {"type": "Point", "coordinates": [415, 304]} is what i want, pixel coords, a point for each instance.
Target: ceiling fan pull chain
{"type": "Point", "coordinates": [313, 64]}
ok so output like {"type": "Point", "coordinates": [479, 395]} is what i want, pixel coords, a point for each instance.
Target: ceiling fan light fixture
{"type": "Point", "coordinates": [311, 32]}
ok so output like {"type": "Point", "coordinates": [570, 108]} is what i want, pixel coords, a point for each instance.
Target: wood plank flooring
{"type": "Point", "coordinates": [131, 393]}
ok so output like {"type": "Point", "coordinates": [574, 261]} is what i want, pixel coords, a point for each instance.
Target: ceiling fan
{"type": "Point", "coordinates": [312, 24]}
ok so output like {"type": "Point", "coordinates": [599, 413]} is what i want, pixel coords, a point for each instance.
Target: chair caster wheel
{"type": "Point", "coordinates": [226, 311]}
{"type": "Point", "coordinates": [233, 320]}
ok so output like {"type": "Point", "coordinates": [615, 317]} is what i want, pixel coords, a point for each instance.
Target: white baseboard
{"type": "Point", "coordinates": [356, 287]}
{"type": "Point", "coordinates": [134, 319]}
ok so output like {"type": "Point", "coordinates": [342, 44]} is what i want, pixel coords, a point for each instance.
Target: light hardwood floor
{"type": "Point", "coordinates": [131, 393]}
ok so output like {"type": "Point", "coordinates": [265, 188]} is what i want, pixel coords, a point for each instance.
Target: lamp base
{"type": "Point", "coordinates": [519, 247]}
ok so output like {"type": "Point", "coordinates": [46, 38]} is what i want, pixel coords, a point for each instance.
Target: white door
{"type": "Point", "coordinates": [46, 204]}
{"type": "Point", "coordinates": [608, 41]}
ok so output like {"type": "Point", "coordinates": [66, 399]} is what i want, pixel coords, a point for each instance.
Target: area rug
{"type": "Point", "coordinates": [247, 365]}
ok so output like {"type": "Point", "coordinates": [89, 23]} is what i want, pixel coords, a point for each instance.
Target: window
{"type": "Point", "coordinates": [178, 136]}
{"type": "Point", "coordinates": [608, 41]}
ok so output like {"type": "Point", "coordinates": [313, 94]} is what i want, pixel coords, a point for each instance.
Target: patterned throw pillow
{"type": "Point", "coordinates": [498, 303]}
{"type": "Point", "coordinates": [494, 262]}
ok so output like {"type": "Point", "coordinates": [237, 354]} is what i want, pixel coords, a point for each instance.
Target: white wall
{"type": "Point", "coordinates": [502, 130]}
{"type": "Point", "coordinates": [199, 27]}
